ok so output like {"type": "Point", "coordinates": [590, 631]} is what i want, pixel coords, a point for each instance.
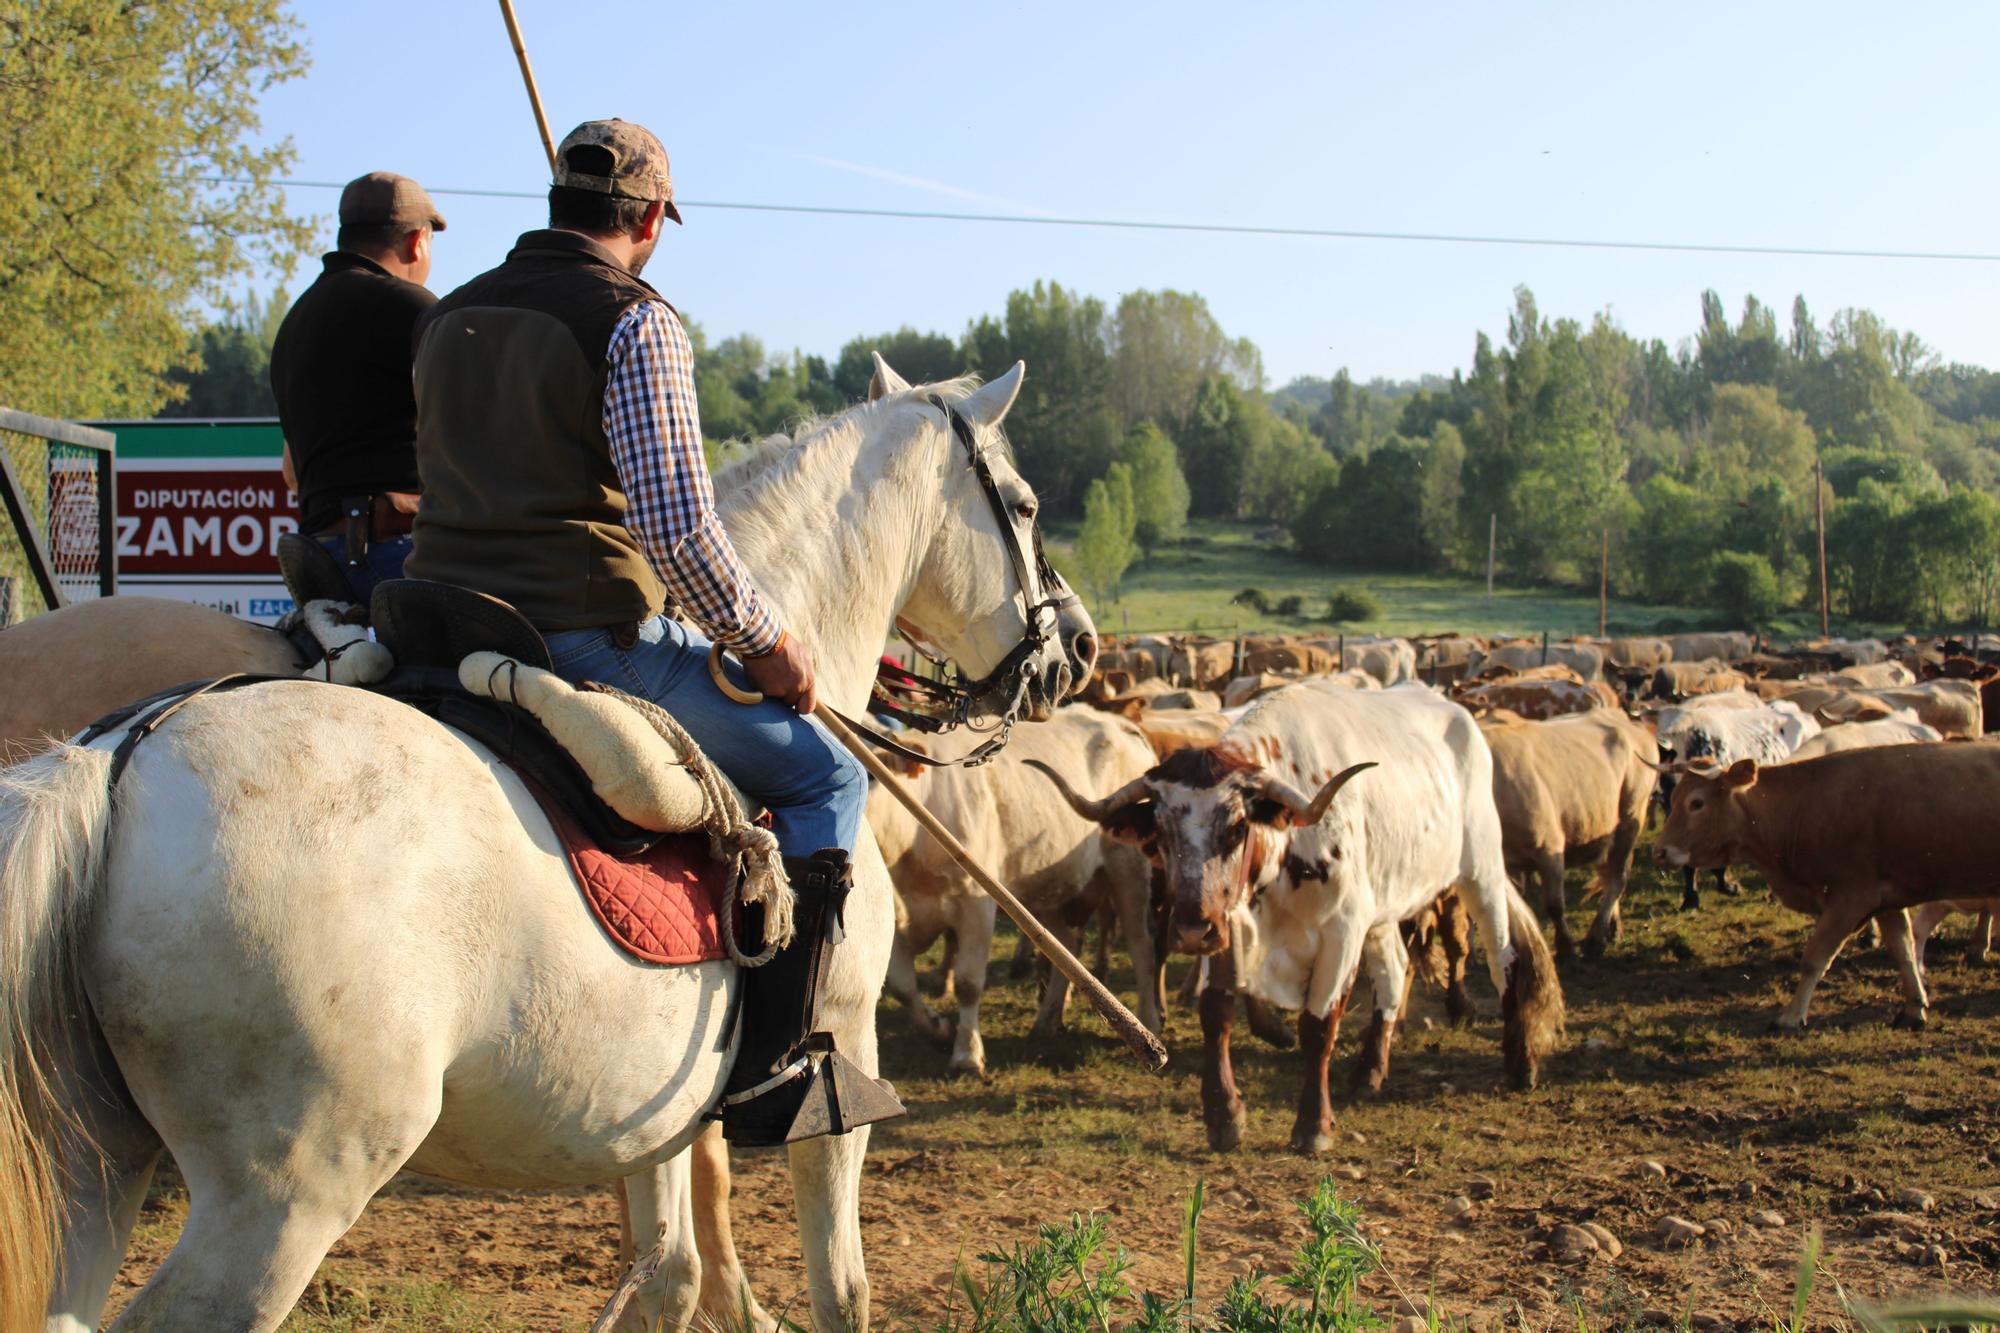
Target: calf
{"type": "Point", "coordinates": [1573, 792]}
{"type": "Point", "coordinates": [1285, 892]}
{"type": "Point", "coordinates": [1860, 834]}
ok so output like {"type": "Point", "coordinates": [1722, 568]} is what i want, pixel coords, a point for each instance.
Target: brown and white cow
{"type": "Point", "coordinates": [1285, 892]}
{"type": "Point", "coordinates": [1573, 791]}
{"type": "Point", "coordinates": [1540, 698]}
{"type": "Point", "coordinates": [1849, 836]}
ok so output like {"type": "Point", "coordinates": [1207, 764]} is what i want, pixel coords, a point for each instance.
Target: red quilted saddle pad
{"type": "Point", "coordinates": [663, 906]}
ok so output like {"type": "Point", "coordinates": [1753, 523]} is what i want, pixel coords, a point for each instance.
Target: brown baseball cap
{"type": "Point", "coordinates": [384, 199]}
{"type": "Point", "coordinates": [637, 165]}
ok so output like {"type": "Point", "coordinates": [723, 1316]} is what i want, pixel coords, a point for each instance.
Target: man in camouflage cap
{"type": "Point", "coordinates": [560, 446]}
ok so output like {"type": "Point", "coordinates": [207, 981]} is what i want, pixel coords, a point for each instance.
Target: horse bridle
{"type": "Point", "coordinates": [951, 702]}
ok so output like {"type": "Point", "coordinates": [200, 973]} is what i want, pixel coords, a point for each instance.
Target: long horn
{"type": "Point", "coordinates": [1095, 811]}
{"type": "Point", "coordinates": [1310, 812]}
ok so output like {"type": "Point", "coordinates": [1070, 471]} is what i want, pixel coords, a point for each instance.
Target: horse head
{"type": "Point", "coordinates": [985, 597]}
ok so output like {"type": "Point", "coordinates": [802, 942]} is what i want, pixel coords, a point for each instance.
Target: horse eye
{"type": "Point", "coordinates": [1026, 510]}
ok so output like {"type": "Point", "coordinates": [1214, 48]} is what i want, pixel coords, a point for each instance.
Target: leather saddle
{"type": "Point", "coordinates": [430, 628]}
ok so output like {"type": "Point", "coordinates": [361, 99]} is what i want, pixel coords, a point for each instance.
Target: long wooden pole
{"type": "Point", "coordinates": [1604, 583]}
{"type": "Point", "coordinates": [1819, 507]}
{"type": "Point", "coordinates": [1492, 547]}
{"type": "Point", "coordinates": [528, 77]}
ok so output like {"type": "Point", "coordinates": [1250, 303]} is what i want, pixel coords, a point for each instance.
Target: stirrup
{"type": "Point", "coordinates": [820, 1092]}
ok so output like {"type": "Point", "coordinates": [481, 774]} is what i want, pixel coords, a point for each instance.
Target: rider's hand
{"type": "Point", "coordinates": [786, 674]}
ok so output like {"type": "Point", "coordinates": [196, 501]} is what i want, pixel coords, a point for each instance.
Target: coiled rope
{"type": "Point", "coordinates": [760, 872]}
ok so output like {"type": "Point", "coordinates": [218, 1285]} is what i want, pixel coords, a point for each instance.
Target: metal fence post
{"type": "Point", "coordinates": [107, 523]}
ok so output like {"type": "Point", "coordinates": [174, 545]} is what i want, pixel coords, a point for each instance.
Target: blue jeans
{"type": "Point", "coordinates": [383, 562]}
{"type": "Point", "coordinates": [816, 791]}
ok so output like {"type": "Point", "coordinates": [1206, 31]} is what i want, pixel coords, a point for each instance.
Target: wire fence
{"type": "Point", "coordinates": [56, 539]}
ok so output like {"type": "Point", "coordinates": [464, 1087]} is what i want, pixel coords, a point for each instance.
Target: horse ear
{"type": "Point", "coordinates": [885, 380]}
{"type": "Point", "coordinates": [990, 403]}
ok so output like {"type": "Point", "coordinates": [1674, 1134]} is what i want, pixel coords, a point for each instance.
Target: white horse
{"type": "Point", "coordinates": [322, 938]}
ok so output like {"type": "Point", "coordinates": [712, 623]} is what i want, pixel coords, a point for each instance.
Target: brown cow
{"type": "Point", "coordinates": [1573, 792]}
{"type": "Point", "coordinates": [1296, 659]}
{"type": "Point", "coordinates": [1860, 834]}
{"type": "Point", "coordinates": [1683, 680]}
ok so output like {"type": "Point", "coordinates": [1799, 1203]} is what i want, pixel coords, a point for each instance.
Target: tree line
{"type": "Point", "coordinates": [1695, 465]}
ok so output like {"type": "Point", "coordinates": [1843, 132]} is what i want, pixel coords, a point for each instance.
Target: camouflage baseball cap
{"type": "Point", "coordinates": [384, 199]}
{"type": "Point", "coordinates": [638, 163]}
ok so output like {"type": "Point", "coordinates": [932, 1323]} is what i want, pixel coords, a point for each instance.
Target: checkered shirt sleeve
{"type": "Point", "coordinates": [654, 427]}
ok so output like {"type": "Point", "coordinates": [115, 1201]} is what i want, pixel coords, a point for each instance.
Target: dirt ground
{"type": "Point", "coordinates": [1667, 1062]}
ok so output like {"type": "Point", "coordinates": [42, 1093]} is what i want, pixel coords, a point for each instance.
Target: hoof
{"type": "Point", "coordinates": [1690, 902]}
{"type": "Point", "coordinates": [1565, 949]}
{"type": "Point", "coordinates": [1910, 1022]}
{"type": "Point", "coordinates": [968, 1069]}
{"type": "Point", "coordinates": [1785, 1027]}
{"type": "Point", "coordinates": [1315, 1142]}
{"type": "Point", "coordinates": [1226, 1135]}
{"type": "Point", "coordinates": [932, 1026]}
{"type": "Point", "coordinates": [1045, 1031]}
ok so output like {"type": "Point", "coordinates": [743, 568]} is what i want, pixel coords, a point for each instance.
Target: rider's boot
{"type": "Point", "coordinates": [788, 1082]}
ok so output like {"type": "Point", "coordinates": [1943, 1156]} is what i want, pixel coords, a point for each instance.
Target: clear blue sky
{"type": "Point", "coordinates": [1823, 125]}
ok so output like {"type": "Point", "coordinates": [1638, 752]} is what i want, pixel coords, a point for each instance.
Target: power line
{"type": "Point", "coordinates": [1233, 229]}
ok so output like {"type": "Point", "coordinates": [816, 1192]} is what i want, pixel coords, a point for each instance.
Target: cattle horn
{"type": "Point", "coordinates": [1095, 811]}
{"type": "Point", "coordinates": [1311, 812]}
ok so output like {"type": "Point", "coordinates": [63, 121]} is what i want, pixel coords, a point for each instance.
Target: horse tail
{"type": "Point", "coordinates": [54, 811]}
{"type": "Point", "coordinates": [1532, 1003]}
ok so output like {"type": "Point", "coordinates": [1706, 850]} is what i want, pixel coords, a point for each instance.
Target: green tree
{"type": "Point", "coordinates": [1063, 428]}
{"type": "Point", "coordinates": [1105, 545]}
{"type": "Point", "coordinates": [1159, 491]}
{"type": "Point", "coordinates": [1743, 588]}
{"type": "Point", "coordinates": [1284, 469]}
{"type": "Point", "coordinates": [1676, 528]}
{"type": "Point", "coordinates": [230, 372]}
{"type": "Point", "coordinates": [122, 120]}
{"type": "Point", "coordinates": [1751, 432]}
{"type": "Point", "coordinates": [1163, 345]}
{"type": "Point", "coordinates": [920, 358]}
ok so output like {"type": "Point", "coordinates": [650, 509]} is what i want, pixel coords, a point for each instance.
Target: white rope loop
{"type": "Point", "coordinates": [760, 871]}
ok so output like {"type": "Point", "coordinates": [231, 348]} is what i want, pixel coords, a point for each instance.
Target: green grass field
{"type": "Point", "coordinates": [1190, 587]}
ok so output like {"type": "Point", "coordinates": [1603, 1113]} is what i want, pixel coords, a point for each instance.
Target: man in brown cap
{"type": "Point", "coordinates": [340, 370]}
{"type": "Point", "coordinates": [560, 446]}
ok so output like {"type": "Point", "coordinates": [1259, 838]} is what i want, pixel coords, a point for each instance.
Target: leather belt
{"type": "Point", "coordinates": [364, 519]}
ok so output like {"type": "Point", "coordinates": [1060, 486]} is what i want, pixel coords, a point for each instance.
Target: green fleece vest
{"type": "Point", "coordinates": [520, 497]}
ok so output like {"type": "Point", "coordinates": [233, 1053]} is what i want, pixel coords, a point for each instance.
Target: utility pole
{"type": "Point", "coordinates": [1604, 583]}
{"type": "Point", "coordinates": [1819, 506]}
{"type": "Point", "coordinates": [1492, 545]}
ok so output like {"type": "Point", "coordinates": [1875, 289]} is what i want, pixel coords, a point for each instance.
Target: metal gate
{"type": "Point", "coordinates": [57, 544]}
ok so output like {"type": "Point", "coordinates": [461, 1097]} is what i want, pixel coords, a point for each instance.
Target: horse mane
{"type": "Point", "coordinates": [775, 459]}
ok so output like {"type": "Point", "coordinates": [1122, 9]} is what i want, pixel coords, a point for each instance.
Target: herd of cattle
{"type": "Point", "coordinates": [1297, 811]}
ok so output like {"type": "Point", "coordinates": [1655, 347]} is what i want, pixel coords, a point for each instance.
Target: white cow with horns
{"type": "Point", "coordinates": [1285, 889]}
